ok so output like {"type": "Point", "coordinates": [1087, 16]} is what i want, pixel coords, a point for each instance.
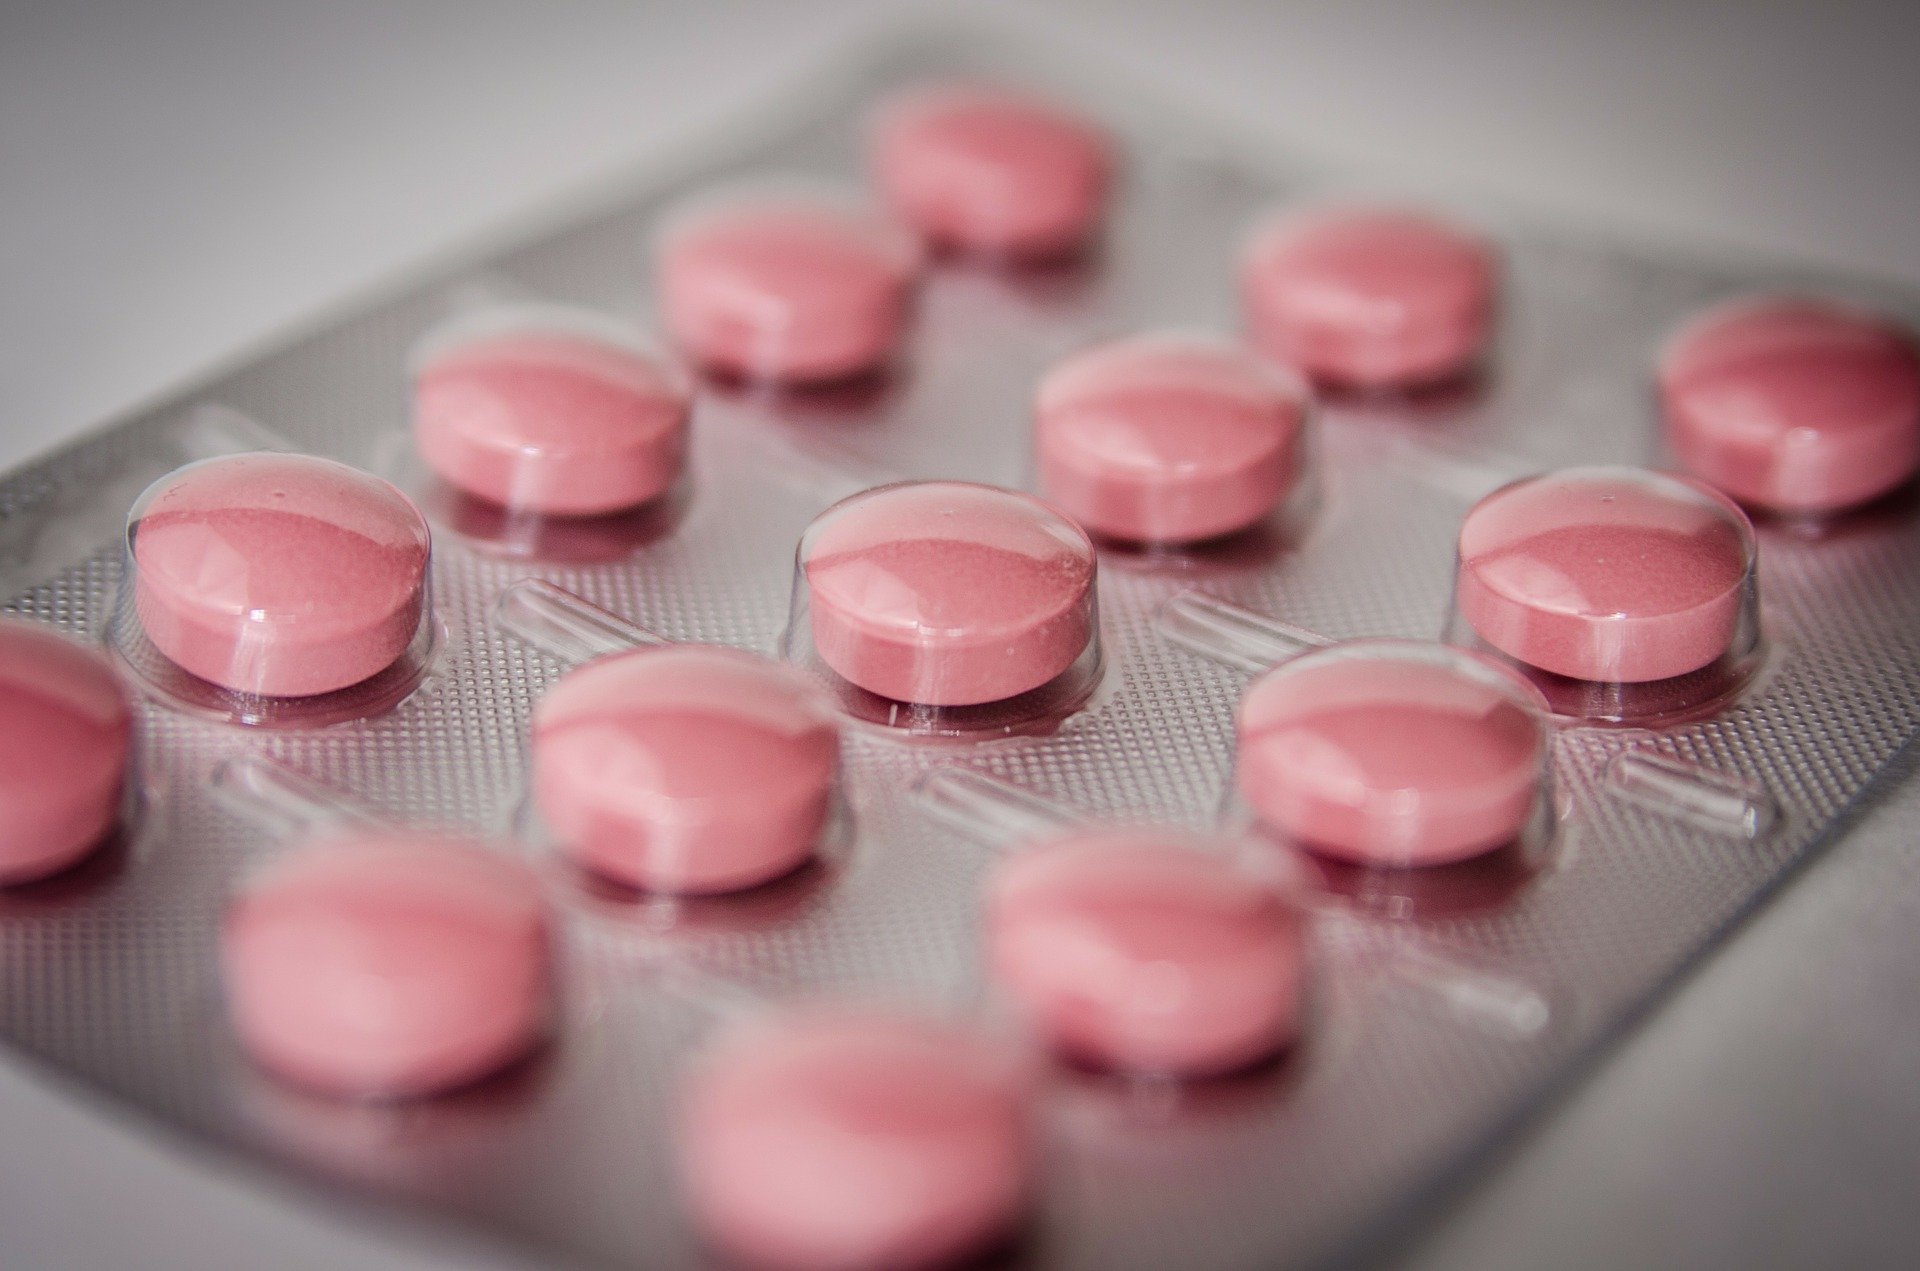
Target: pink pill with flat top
{"type": "Point", "coordinates": [832, 1141]}
{"type": "Point", "coordinates": [691, 768]}
{"type": "Point", "coordinates": [1392, 753]}
{"type": "Point", "coordinates": [276, 574]}
{"type": "Point", "coordinates": [1612, 574]}
{"type": "Point", "coordinates": [1168, 439]}
{"type": "Point", "coordinates": [551, 422]}
{"type": "Point", "coordinates": [993, 172]}
{"type": "Point", "coordinates": [383, 963]}
{"type": "Point", "coordinates": [1794, 405]}
{"type": "Point", "coordinates": [787, 289]}
{"type": "Point", "coordinates": [948, 593]}
{"type": "Point", "coordinates": [65, 732]}
{"type": "Point", "coordinates": [1145, 950]}
{"type": "Point", "coordinates": [1369, 297]}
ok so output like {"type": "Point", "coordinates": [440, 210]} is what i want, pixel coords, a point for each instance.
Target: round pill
{"type": "Point", "coordinates": [1141, 950]}
{"type": "Point", "coordinates": [65, 730]}
{"type": "Point", "coordinates": [690, 768]}
{"type": "Point", "coordinates": [946, 593]}
{"type": "Point", "coordinates": [1794, 405]}
{"type": "Point", "coordinates": [1611, 574]}
{"type": "Point", "coordinates": [992, 172]}
{"type": "Point", "coordinates": [1392, 753]}
{"type": "Point", "coordinates": [383, 963]}
{"type": "Point", "coordinates": [842, 1142]}
{"type": "Point", "coordinates": [276, 574]}
{"type": "Point", "coordinates": [1167, 439]}
{"type": "Point", "coordinates": [787, 289]}
{"type": "Point", "coordinates": [553, 423]}
{"type": "Point", "coordinates": [1369, 297]}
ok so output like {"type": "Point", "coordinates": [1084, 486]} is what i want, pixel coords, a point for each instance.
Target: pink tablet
{"type": "Point", "coordinates": [843, 1142]}
{"type": "Point", "coordinates": [690, 768]}
{"type": "Point", "coordinates": [786, 288]}
{"type": "Point", "coordinates": [991, 171]}
{"type": "Point", "coordinates": [1391, 752]}
{"type": "Point", "coordinates": [1794, 405]}
{"type": "Point", "coordinates": [1147, 950]}
{"type": "Point", "coordinates": [948, 593]}
{"type": "Point", "coordinates": [277, 574]}
{"type": "Point", "coordinates": [1168, 439]}
{"type": "Point", "coordinates": [1369, 297]}
{"type": "Point", "coordinates": [1611, 574]}
{"type": "Point", "coordinates": [387, 963]}
{"type": "Point", "coordinates": [65, 730]}
{"type": "Point", "coordinates": [551, 422]}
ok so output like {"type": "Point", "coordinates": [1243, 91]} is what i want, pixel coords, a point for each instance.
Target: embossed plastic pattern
{"type": "Point", "coordinates": [111, 977]}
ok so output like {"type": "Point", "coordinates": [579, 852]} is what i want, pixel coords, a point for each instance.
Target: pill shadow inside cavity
{"type": "Point", "coordinates": [1892, 513]}
{"type": "Point", "coordinates": [1480, 884]}
{"type": "Point", "coordinates": [1678, 700]}
{"type": "Point", "coordinates": [1053, 284]}
{"type": "Point", "coordinates": [855, 400]}
{"type": "Point", "coordinates": [422, 1146]}
{"type": "Point", "coordinates": [1681, 699]}
{"type": "Point", "coordinates": [176, 687]}
{"type": "Point", "coordinates": [1278, 534]}
{"type": "Point", "coordinates": [771, 905]}
{"type": "Point", "coordinates": [766, 906]}
{"type": "Point", "coordinates": [1436, 402]}
{"type": "Point", "coordinates": [1483, 884]}
{"type": "Point", "coordinates": [493, 530]}
{"type": "Point", "coordinates": [1114, 1107]}
{"type": "Point", "coordinates": [1039, 712]}
{"type": "Point", "coordinates": [93, 873]}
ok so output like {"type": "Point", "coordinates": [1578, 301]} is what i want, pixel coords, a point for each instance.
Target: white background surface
{"type": "Point", "coordinates": [178, 181]}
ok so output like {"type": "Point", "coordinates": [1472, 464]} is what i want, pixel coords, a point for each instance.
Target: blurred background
{"type": "Point", "coordinates": [179, 180]}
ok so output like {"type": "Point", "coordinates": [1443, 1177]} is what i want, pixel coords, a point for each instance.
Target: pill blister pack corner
{"type": "Point", "coordinates": [1443, 1008]}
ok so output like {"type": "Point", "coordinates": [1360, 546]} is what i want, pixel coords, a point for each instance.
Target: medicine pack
{"type": "Point", "coordinates": [1659, 788]}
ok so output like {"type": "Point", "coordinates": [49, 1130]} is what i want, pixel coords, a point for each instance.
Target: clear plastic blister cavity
{"type": "Point", "coordinates": [277, 589]}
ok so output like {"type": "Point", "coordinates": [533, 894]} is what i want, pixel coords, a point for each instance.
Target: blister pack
{"type": "Point", "coordinates": [1227, 692]}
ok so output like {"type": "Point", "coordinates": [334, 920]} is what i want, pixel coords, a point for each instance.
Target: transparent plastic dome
{"type": "Point", "coordinates": [549, 411]}
{"type": "Point", "coordinates": [948, 607]}
{"type": "Point", "coordinates": [785, 282]}
{"type": "Point", "coordinates": [1370, 297]}
{"type": "Point", "coordinates": [1794, 405]}
{"type": "Point", "coordinates": [1168, 438]}
{"type": "Point", "coordinates": [991, 172]}
{"type": "Point", "coordinates": [272, 588]}
{"type": "Point", "coordinates": [1394, 754]}
{"type": "Point", "coordinates": [686, 768]}
{"type": "Point", "coordinates": [1622, 594]}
